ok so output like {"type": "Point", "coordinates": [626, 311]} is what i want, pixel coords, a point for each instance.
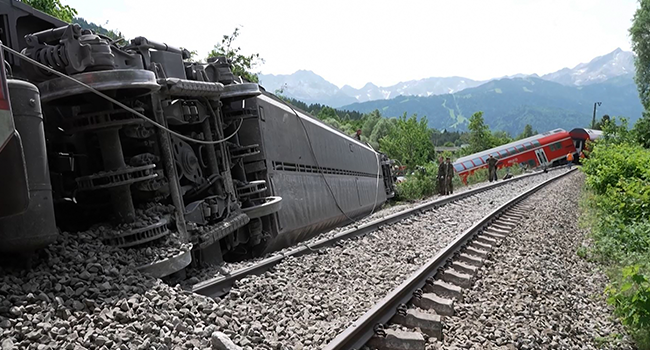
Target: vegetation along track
{"type": "Point", "coordinates": [306, 301]}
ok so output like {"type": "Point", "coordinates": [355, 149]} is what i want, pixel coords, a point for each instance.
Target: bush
{"type": "Point", "coordinates": [423, 183]}
{"type": "Point", "coordinates": [618, 175]}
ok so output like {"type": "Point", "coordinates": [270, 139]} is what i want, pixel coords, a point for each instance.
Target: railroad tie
{"type": "Point", "coordinates": [396, 340]}
{"type": "Point", "coordinates": [460, 279]}
{"type": "Point", "coordinates": [501, 226]}
{"type": "Point", "coordinates": [429, 324]}
{"type": "Point", "coordinates": [494, 234]}
{"type": "Point", "coordinates": [476, 252]}
{"type": "Point", "coordinates": [508, 220]}
{"type": "Point", "coordinates": [461, 266]}
{"type": "Point", "coordinates": [444, 289]}
{"type": "Point", "coordinates": [431, 301]}
{"type": "Point", "coordinates": [486, 239]}
{"type": "Point", "coordinates": [512, 217]}
{"type": "Point", "coordinates": [470, 260]}
{"type": "Point", "coordinates": [480, 246]}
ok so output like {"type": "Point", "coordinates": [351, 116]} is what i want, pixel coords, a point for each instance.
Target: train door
{"type": "Point", "coordinates": [541, 157]}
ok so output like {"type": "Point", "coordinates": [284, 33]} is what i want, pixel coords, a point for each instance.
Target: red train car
{"type": "Point", "coordinates": [547, 149]}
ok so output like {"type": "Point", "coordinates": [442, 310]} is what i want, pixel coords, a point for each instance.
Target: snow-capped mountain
{"type": "Point", "coordinates": [309, 87]}
{"type": "Point", "coordinates": [601, 68]}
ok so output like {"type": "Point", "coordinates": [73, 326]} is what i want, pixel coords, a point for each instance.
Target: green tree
{"type": "Point", "coordinates": [409, 141]}
{"type": "Point", "coordinates": [327, 113]}
{"type": "Point", "coordinates": [500, 138]}
{"type": "Point", "coordinates": [528, 132]}
{"type": "Point", "coordinates": [480, 137]}
{"type": "Point", "coordinates": [382, 128]}
{"type": "Point", "coordinates": [242, 65]}
{"type": "Point", "coordinates": [53, 8]}
{"type": "Point", "coordinates": [639, 33]}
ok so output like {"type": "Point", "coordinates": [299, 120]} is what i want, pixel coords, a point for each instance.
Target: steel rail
{"type": "Point", "coordinates": [359, 332]}
{"type": "Point", "coordinates": [220, 286]}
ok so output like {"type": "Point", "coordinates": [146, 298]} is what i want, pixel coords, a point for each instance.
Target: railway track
{"type": "Point", "coordinates": [436, 286]}
{"type": "Point", "coordinates": [221, 285]}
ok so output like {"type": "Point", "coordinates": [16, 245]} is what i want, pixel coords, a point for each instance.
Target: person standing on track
{"type": "Point", "coordinates": [492, 168]}
{"type": "Point", "coordinates": [449, 176]}
{"type": "Point", "coordinates": [569, 160]}
{"type": "Point", "coordinates": [442, 174]}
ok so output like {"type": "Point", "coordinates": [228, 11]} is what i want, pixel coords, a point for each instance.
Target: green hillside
{"type": "Point", "coordinates": [510, 104]}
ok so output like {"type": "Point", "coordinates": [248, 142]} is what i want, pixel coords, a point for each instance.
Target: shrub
{"type": "Point", "coordinates": [618, 175]}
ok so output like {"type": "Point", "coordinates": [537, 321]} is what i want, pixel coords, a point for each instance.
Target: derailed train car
{"type": "Point", "coordinates": [152, 149]}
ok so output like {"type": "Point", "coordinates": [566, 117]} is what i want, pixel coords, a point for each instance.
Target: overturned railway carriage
{"type": "Point", "coordinates": [546, 149]}
{"type": "Point", "coordinates": [182, 153]}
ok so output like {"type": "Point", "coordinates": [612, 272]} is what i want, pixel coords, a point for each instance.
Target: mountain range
{"type": "Point", "coordinates": [560, 99]}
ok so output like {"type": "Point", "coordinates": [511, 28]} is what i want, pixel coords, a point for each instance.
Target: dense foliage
{"type": "Point", "coordinates": [409, 140]}
{"type": "Point", "coordinates": [53, 8]}
{"type": "Point", "coordinates": [639, 33]}
{"type": "Point", "coordinates": [242, 65]}
{"type": "Point", "coordinates": [619, 178]}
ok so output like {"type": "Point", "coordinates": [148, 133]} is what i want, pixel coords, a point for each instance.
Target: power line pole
{"type": "Point", "coordinates": [593, 120]}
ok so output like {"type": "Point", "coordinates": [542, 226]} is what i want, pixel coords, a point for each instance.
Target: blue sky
{"type": "Point", "coordinates": [384, 42]}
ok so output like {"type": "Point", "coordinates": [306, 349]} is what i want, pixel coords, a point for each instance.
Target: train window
{"type": "Point", "coordinates": [520, 148]}
{"type": "Point", "coordinates": [458, 167]}
{"type": "Point", "coordinates": [531, 163]}
{"type": "Point", "coordinates": [555, 146]}
{"type": "Point", "coordinates": [503, 153]}
{"type": "Point", "coordinates": [485, 158]}
{"type": "Point", "coordinates": [477, 161]}
{"type": "Point", "coordinates": [529, 146]}
{"type": "Point", "coordinates": [536, 143]}
{"type": "Point", "coordinates": [468, 164]}
{"type": "Point", "coordinates": [512, 150]}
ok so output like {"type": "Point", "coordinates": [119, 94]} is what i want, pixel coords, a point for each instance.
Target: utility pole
{"type": "Point", "coordinates": [593, 121]}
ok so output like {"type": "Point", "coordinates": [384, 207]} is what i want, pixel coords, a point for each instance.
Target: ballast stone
{"type": "Point", "coordinates": [220, 341]}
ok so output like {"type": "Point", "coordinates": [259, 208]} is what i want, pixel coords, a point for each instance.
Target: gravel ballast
{"type": "Point", "coordinates": [81, 294]}
{"type": "Point", "coordinates": [535, 292]}
{"type": "Point", "coordinates": [205, 273]}
{"type": "Point", "coordinates": [304, 302]}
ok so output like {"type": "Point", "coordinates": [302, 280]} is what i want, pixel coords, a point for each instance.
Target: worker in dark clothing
{"type": "Point", "coordinates": [358, 135]}
{"type": "Point", "coordinates": [492, 168]}
{"type": "Point", "coordinates": [442, 175]}
{"type": "Point", "coordinates": [449, 176]}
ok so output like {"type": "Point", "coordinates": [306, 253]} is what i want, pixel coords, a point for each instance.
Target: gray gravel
{"type": "Point", "coordinates": [81, 294]}
{"type": "Point", "coordinates": [535, 292]}
{"type": "Point", "coordinates": [304, 302]}
{"type": "Point", "coordinates": [205, 273]}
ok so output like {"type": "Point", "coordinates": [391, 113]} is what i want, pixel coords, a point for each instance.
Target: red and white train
{"type": "Point", "coordinates": [547, 149]}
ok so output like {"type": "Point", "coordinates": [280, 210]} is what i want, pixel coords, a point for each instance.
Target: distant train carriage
{"type": "Point", "coordinates": [547, 149]}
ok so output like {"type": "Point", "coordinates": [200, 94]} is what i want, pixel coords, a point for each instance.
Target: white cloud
{"type": "Point", "coordinates": [385, 42]}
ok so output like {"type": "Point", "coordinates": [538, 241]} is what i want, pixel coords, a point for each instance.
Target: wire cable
{"type": "Point", "coordinates": [311, 148]}
{"type": "Point", "coordinates": [118, 103]}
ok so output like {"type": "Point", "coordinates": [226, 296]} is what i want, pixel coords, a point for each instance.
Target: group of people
{"type": "Point", "coordinates": [445, 175]}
